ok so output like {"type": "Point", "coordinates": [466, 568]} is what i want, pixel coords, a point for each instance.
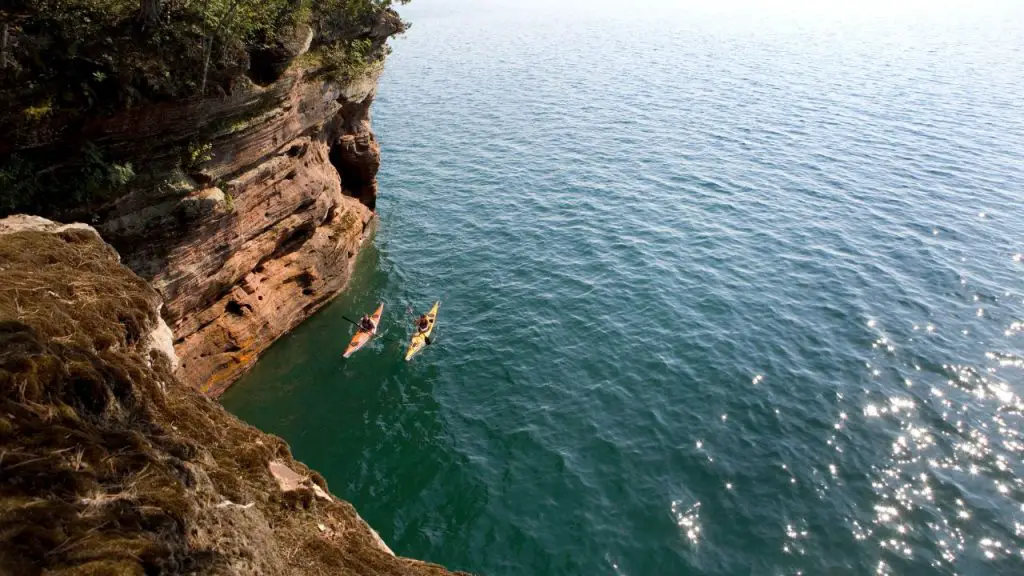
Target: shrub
{"type": "Point", "coordinates": [345, 60]}
{"type": "Point", "coordinates": [74, 55]}
{"type": "Point", "coordinates": [40, 111]}
{"type": "Point", "coordinates": [17, 183]}
{"type": "Point", "coordinates": [198, 154]}
{"type": "Point", "coordinates": [25, 185]}
{"type": "Point", "coordinates": [67, 61]}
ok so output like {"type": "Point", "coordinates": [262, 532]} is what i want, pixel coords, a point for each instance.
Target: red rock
{"type": "Point", "coordinates": [273, 235]}
{"type": "Point", "coordinates": [247, 210]}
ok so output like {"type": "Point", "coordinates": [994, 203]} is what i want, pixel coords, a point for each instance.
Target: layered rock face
{"type": "Point", "coordinates": [247, 209]}
{"type": "Point", "coordinates": [272, 235]}
{"type": "Point", "coordinates": [112, 466]}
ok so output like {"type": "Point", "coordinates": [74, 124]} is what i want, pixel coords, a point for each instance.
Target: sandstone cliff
{"type": "Point", "coordinates": [109, 465]}
{"type": "Point", "coordinates": [273, 234]}
{"type": "Point", "coordinates": [244, 208]}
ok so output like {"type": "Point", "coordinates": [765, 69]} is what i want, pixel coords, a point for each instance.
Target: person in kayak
{"type": "Point", "coordinates": [366, 323]}
{"type": "Point", "coordinates": [423, 324]}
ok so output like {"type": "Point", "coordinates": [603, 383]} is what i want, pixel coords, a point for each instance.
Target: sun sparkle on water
{"type": "Point", "coordinates": [711, 278]}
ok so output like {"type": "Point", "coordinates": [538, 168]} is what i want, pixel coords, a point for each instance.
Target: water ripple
{"type": "Point", "coordinates": [721, 296]}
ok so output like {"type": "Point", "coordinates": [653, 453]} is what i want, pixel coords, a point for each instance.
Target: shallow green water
{"type": "Point", "coordinates": [723, 293]}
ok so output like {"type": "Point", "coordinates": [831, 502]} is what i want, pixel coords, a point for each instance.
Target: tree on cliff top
{"type": "Point", "coordinates": [149, 12]}
{"type": "Point", "coordinates": [93, 54]}
{"type": "Point", "coordinates": [63, 62]}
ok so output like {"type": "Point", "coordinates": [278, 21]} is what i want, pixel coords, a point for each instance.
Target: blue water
{"type": "Point", "coordinates": [733, 289]}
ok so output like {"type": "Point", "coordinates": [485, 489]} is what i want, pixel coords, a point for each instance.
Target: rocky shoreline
{"type": "Point", "coordinates": [112, 466]}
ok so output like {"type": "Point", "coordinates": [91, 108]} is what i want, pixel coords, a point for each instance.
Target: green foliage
{"type": "Point", "coordinates": [25, 185]}
{"type": "Point", "coordinates": [39, 111]}
{"type": "Point", "coordinates": [198, 154]}
{"type": "Point", "coordinates": [245, 19]}
{"type": "Point", "coordinates": [121, 174]}
{"type": "Point", "coordinates": [349, 14]}
{"type": "Point", "coordinates": [68, 61]}
{"type": "Point", "coordinates": [17, 182]}
{"type": "Point", "coordinates": [79, 55]}
{"type": "Point", "coordinates": [345, 60]}
{"type": "Point", "coordinates": [359, 8]}
{"type": "Point", "coordinates": [98, 178]}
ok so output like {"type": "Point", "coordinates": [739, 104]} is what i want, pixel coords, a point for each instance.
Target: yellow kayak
{"type": "Point", "coordinates": [419, 340]}
{"type": "Point", "coordinates": [364, 336]}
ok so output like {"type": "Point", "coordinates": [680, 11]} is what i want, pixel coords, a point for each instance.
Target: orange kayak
{"type": "Point", "coordinates": [364, 336]}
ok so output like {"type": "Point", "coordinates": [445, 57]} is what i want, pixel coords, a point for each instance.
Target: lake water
{"type": "Point", "coordinates": [725, 290]}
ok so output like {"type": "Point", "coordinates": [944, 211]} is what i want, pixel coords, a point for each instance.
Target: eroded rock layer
{"type": "Point", "coordinates": [274, 211]}
{"type": "Point", "coordinates": [244, 210]}
{"type": "Point", "coordinates": [270, 236]}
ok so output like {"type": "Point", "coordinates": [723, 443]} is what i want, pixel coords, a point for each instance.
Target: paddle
{"type": "Point", "coordinates": [353, 322]}
{"type": "Point", "coordinates": [360, 326]}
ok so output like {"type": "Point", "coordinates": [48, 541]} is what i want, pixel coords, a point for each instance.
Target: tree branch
{"type": "Point", "coordinates": [3, 46]}
{"type": "Point", "coordinates": [209, 44]}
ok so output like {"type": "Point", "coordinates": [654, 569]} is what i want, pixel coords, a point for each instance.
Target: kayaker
{"type": "Point", "coordinates": [423, 323]}
{"type": "Point", "coordinates": [366, 323]}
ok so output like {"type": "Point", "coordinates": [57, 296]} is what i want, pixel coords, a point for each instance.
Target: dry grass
{"type": "Point", "coordinates": [79, 436]}
{"type": "Point", "coordinates": [102, 472]}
